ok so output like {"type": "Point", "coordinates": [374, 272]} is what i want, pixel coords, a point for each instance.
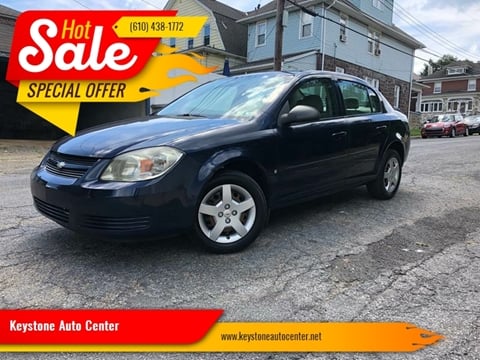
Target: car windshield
{"type": "Point", "coordinates": [242, 97]}
{"type": "Point", "coordinates": [472, 119]}
{"type": "Point", "coordinates": [442, 118]}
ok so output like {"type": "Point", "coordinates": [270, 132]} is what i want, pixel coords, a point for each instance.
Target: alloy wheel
{"type": "Point", "coordinates": [391, 175]}
{"type": "Point", "coordinates": [226, 213]}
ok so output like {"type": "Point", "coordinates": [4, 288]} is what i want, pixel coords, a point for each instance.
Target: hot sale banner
{"type": "Point", "coordinates": [60, 59]}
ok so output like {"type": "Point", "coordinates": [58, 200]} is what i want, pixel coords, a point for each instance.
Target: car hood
{"type": "Point", "coordinates": [437, 125]}
{"type": "Point", "coordinates": [110, 140]}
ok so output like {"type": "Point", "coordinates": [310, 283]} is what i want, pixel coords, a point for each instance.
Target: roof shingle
{"type": "Point", "coordinates": [7, 24]}
{"type": "Point", "coordinates": [8, 12]}
{"type": "Point", "coordinates": [472, 69]}
{"type": "Point", "coordinates": [233, 34]}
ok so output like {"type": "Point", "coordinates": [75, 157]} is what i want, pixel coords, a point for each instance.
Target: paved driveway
{"type": "Point", "coordinates": [342, 258]}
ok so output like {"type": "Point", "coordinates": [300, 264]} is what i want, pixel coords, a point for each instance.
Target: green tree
{"type": "Point", "coordinates": [437, 65]}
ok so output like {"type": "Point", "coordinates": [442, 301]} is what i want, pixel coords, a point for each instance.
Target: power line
{"type": "Point", "coordinates": [314, 13]}
{"type": "Point", "coordinates": [150, 4]}
{"type": "Point", "coordinates": [436, 37]}
{"type": "Point", "coordinates": [430, 52]}
{"type": "Point", "coordinates": [404, 15]}
{"type": "Point", "coordinates": [79, 3]}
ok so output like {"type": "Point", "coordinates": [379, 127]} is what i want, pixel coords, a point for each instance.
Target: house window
{"type": "Point", "coordinates": [374, 42]}
{"type": "Point", "coordinates": [375, 83]}
{"type": "Point", "coordinates": [206, 35]}
{"type": "Point", "coordinates": [437, 87]}
{"type": "Point", "coordinates": [460, 105]}
{"type": "Point", "coordinates": [306, 25]}
{"type": "Point", "coordinates": [343, 27]}
{"type": "Point", "coordinates": [172, 42]}
{"type": "Point", "coordinates": [456, 71]}
{"type": "Point", "coordinates": [339, 70]}
{"type": "Point", "coordinates": [432, 106]}
{"type": "Point", "coordinates": [261, 31]}
{"type": "Point", "coordinates": [378, 4]}
{"type": "Point", "coordinates": [190, 43]}
{"type": "Point", "coordinates": [472, 85]}
{"type": "Point", "coordinates": [396, 97]}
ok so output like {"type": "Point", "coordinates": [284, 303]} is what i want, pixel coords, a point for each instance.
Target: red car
{"type": "Point", "coordinates": [445, 125]}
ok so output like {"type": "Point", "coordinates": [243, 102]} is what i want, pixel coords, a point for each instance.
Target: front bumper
{"type": "Point", "coordinates": [435, 132]}
{"type": "Point", "coordinates": [163, 206]}
{"type": "Point", "coordinates": [473, 130]}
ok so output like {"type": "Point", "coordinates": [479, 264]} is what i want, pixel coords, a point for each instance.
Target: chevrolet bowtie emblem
{"type": "Point", "coordinates": [60, 164]}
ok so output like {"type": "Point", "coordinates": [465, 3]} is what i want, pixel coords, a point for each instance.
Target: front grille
{"type": "Point", "coordinates": [116, 223]}
{"type": "Point", "coordinates": [434, 131]}
{"type": "Point", "coordinates": [68, 166]}
{"type": "Point", "coordinates": [55, 212]}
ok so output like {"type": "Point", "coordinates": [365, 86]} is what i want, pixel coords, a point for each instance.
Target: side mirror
{"type": "Point", "coordinates": [300, 113]}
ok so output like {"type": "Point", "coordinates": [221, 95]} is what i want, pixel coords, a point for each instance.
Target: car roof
{"type": "Point", "coordinates": [328, 74]}
{"type": "Point", "coordinates": [308, 73]}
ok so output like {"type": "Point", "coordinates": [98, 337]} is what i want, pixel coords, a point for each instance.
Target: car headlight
{"type": "Point", "coordinates": [141, 164]}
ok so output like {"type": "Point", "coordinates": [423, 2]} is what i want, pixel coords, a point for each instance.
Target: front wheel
{"type": "Point", "coordinates": [231, 213]}
{"type": "Point", "coordinates": [386, 184]}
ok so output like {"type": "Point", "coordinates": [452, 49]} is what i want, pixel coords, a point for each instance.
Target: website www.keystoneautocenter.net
{"type": "Point", "coordinates": [278, 336]}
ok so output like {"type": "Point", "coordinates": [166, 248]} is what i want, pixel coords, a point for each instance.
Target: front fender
{"type": "Point", "coordinates": [217, 161]}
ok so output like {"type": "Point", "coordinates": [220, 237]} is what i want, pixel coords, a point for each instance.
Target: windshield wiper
{"type": "Point", "coordinates": [191, 115]}
{"type": "Point", "coordinates": [186, 115]}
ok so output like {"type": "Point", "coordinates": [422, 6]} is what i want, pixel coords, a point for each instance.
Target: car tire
{"type": "Point", "coordinates": [231, 213]}
{"type": "Point", "coordinates": [453, 133]}
{"type": "Point", "coordinates": [388, 178]}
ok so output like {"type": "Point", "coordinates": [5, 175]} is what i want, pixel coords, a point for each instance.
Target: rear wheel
{"type": "Point", "coordinates": [231, 213]}
{"type": "Point", "coordinates": [386, 184]}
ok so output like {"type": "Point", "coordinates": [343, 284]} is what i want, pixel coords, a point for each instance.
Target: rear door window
{"type": "Point", "coordinates": [359, 99]}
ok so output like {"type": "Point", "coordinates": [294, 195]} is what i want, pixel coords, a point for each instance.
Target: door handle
{"type": "Point", "coordinates": [340, 133]}
{"type": "Point", "coordinates": [381, 127]}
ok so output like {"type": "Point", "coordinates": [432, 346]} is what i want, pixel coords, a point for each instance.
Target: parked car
{"type": "Point", "coordinates": [444, 125]}
{"type": "Point", "coordinates": [473, 124]}
{"type": "Point", "coordinates": [217, 160]}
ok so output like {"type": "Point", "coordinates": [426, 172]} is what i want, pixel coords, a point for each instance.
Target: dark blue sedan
{"type": "Point", "coordinates": [215, 161]}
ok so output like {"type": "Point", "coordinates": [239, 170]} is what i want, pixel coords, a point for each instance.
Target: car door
{"type": "Point", "coordinates": [312, 154]}
{"type": "Point", "coordinates": [368, 127]}
{"type": "Point", "coordinates": [459, 124]}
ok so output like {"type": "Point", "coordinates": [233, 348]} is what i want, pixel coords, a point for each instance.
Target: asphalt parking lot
{"type": "Point", "coordinates": [345, 257]}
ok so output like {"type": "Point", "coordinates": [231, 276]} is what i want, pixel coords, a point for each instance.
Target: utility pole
{"type": "Point", "coordinates": [277, 58]}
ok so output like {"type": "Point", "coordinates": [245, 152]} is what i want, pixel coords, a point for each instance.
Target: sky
{"type": "Point", "coordinates": [444, 26]}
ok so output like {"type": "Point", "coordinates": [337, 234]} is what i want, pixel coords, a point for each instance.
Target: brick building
{"type": "Point", "coordinates": [453, 89]}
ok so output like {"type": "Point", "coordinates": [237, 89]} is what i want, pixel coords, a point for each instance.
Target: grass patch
{"type": "Point", "coordinates": [414, 132]}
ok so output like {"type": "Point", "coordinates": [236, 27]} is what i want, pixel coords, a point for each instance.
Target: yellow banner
{"type": "Point", "coordinates": [278, 337]}
{"type": "Point", "coordinates": [59, 101]}
{"type": "Point", "coordinates": [158, 27]}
